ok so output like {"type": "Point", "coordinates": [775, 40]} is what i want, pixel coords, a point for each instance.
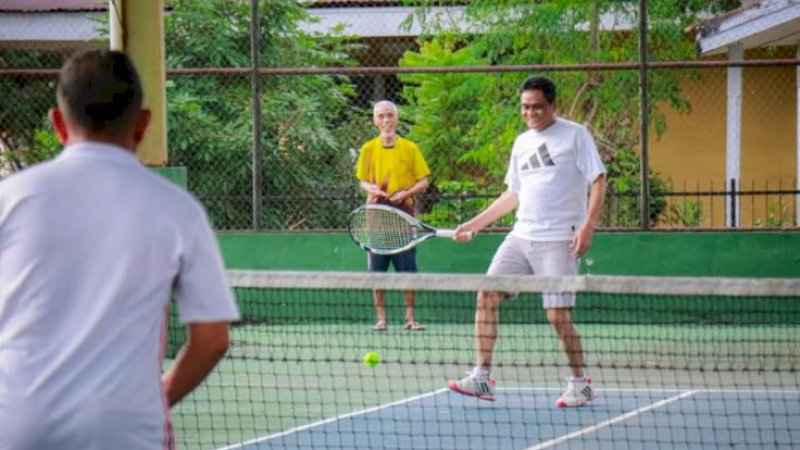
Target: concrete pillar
{"type": "Point", "coordinates": [733, 136]}
{"type": "Point", "coordinates": [137, 28]}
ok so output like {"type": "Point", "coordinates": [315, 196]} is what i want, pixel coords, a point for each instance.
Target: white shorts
{"type": "Point", "coordinates": [517, 256]}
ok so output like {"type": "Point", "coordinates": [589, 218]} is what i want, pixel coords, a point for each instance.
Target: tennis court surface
{"type": "Point", "coordinates": [677, 363]}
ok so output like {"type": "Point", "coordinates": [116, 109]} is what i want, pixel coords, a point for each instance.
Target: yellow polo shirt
{"type": "Point", "coordinates": [391, 168]}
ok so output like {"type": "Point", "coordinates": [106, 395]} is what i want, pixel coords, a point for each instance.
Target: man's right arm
{"type": "Point", "coordinates": [500, 207]}
{"type": "Point", "coordinates": [206, 345]}
{"type": "Point", "coordinates": [363, 175]}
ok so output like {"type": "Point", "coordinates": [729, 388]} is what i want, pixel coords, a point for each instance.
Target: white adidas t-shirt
{"type": "Point", "coordinates": [551, 171]}
{"type": "Point", "coordinates": [92, 244]}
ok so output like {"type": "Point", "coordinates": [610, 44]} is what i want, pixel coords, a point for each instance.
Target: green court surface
{"type": "Point", "coordinates": [277, 377]}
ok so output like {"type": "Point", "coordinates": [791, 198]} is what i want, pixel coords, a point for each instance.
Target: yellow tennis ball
{"type": "Point", "coordinates": [371, 359]}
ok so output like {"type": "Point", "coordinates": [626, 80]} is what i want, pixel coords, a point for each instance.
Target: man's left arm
{"type": "Point", "coordinates": [205, 302]}
{"type": "Point", "coordinates": [205, 345]}
{"type": "Point", "coordinates": [582, 240]}
{"type": "Point", "coordinates": [417, 188]}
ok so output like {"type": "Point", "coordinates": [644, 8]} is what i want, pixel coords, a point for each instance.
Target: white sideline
{"type": "Point", "coordinates": [331, 419]}
{"type": "Point", "coordinates": [612, 421]}
{"type": "Point", "coordinates": [543, 445]}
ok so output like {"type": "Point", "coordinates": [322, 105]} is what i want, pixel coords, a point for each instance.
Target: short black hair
{"type": "Point", "coordinates": [540, 83]}
{"type": "Point", "coordinates": [99, 91]}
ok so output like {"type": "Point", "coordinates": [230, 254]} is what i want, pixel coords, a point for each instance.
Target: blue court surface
{"type": "Point", "coordinates": [525, 419]}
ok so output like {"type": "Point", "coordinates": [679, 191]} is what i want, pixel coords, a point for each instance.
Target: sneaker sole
{"type": "Point", "coordinates": [562, 404]}
{"type": "Point", "coordinates": [453, 386]}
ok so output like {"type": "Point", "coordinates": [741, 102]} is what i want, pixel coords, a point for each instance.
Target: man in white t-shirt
{"type": "Point", "coordinates": [92, 247]}
{"type": "Point", "coordinates": [552, 167]}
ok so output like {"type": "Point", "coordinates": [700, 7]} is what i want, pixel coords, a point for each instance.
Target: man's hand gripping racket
{"type": "Point", "coordinates": [384, 230]}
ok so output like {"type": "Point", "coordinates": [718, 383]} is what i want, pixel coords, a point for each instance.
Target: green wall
{"type": "Point", "coordinates": [176, 174]}
{"type": "Point", "coordinates": [722, 253]}
{"type": "Point", "coordinates": [739, 254]}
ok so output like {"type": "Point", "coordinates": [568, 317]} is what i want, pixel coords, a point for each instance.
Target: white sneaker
{"type": "Point", "coordinates": [476, 384]}
{"type": "Point", "coordinates": [578, 393]}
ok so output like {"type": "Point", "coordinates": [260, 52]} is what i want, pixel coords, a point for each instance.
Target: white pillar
{"type": "Point", "coordinates": [116, 26]}
{"type": "Point", "coordinates": [733, 136]}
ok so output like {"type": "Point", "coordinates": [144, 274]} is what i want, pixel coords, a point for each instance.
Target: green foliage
{"type": "Point", "coordinates": [306, 121]}
{"type": "Point", "coordinates": [483, 114]}
{"type": "Point", "coordinates": [440, 122]}
{"type": "Point", "coordinates": [778, 215]}
{"type": "Point", "coordinates": [26, 136]}
{"type": "Point", "coordinates": [624, 184]}
{"type": "Point", "coordinates": [458, 201]}
{"type": "Point", "coordinates": [23, 116]}
{"type": "Point", "coordinates": [686, 213]}
{"type": "Point", "coordinates": [43, 146]}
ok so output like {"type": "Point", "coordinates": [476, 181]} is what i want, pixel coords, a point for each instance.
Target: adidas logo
{"type": "Point", "coordinates": [540, 158]}
{"type": "Point", "coordinates": [587, 392]}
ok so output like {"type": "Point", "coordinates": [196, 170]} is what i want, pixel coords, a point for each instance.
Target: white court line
{"type": "Point", "coordinates": [543, 445]}
{"type": "Point", "coordinates": [610, 422]}
{"type": "Point", "coordinates": [709, 390]}
{"type": "Point", "coordinates": [332, 419]}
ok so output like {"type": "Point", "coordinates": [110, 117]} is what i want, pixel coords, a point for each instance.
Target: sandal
{"type": "Point", "coordinates": [380, 326]}
{"type": "Point", "coordinates": [413, 325]}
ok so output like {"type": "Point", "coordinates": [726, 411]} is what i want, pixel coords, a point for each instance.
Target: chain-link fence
{"type": "Point", "coordinates": [454, 68]}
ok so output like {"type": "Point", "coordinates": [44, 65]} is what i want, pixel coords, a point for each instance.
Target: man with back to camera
{"type": "Point", "coordinates": [392, 170]}
{"type": "Point", "coordinates": [92, 247]}
{"type": "Point", "coordinates": [552, 166]}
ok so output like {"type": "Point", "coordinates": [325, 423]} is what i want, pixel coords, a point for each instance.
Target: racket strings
{"type": "Point", "coordinates": [381, 230]}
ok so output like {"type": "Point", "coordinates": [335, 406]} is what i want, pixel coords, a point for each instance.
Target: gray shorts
{"type": "Point", "coordinates": [517, 256]}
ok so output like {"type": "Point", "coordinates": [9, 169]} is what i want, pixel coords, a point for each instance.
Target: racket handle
{"type": "Point", "coordinates": [449, 234]}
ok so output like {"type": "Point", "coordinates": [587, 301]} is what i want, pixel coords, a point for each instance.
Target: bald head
{"type": "Point", "coordinates": [99, 92]}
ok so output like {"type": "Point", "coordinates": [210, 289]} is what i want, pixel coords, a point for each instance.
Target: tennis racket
{"type": "Point", "coordinates": [385, 230]}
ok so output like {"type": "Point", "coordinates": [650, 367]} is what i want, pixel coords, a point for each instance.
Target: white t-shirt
{"type": "Point", "coordinates": [92, 245]}
{"type": "Point", "coordinates": [550, 171]}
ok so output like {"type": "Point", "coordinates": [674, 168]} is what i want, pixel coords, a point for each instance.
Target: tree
{"type": "Point", "coordinates": [25, 136]}
{"type": "Point", "coordinates": [516, 32]}
{"type": "Point", "coordinates": [307, 122]}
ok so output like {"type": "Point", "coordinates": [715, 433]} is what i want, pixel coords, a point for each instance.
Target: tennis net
{"type": "Point", "coordinates": [676, 363]}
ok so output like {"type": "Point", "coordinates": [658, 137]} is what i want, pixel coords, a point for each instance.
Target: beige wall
{"type": "Point", "coordinates": [692, 150]}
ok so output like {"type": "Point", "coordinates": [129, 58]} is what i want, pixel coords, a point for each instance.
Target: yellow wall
{"type": "Point", "coordinates": [691, 152]}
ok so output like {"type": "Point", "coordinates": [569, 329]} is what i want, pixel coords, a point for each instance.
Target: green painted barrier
{"type": "Point", "coordinates": [729, 254]}
{"type": "Point", "coordinates": [177, 175]}
{"type": "Point", "coordinates": [732, 254]}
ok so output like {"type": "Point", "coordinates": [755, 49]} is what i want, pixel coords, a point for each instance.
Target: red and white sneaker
{"type": "Point", "coordinates": [475, 384]}
{"type": "Point", "coordinates": [577, 393]}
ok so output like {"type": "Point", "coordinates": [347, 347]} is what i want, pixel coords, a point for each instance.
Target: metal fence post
{"type": "Point", "coordinates": [255, 83]}
{"type": "Point", "coordinates": [644, 160]}
{"type": "Point", "coordinates": [732, 202]}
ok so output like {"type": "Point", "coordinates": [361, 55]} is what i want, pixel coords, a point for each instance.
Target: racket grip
{"type": "Point", "coordinates": [449, 234]}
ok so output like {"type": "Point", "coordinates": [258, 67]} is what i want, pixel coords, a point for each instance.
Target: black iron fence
{"type": "Point", "coordinates": [677, 208]}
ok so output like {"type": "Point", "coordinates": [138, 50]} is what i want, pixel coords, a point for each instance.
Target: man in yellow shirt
{"type": "Point", "coordinates": [392, 171]}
